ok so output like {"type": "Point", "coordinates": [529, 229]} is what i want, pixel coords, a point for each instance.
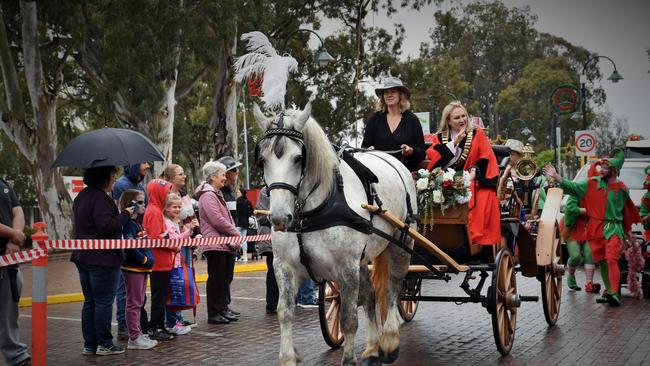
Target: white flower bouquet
{"type": "Point", "coordinates": [440, 189]}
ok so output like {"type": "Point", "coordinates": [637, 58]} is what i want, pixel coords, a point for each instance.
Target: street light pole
{"type": "Point", "coordinates": [322, 57]}
{"type": "Point", "coordinates": [615, 77]}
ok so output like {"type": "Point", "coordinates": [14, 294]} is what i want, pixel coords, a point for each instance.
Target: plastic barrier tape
{"type": "Point", "coordinates": [107, 244]}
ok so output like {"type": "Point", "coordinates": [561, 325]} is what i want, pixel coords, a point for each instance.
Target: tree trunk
{"type": "Point", "coordinates": [36, 137]}
{"type": "Point", "coordinates": [162, 123]}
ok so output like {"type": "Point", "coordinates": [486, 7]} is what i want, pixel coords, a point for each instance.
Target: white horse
{"type": "Point", "coordinates": [299, 166]}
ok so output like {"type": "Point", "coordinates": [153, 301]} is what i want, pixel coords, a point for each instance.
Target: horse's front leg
{"type": "Point", "coordinates": [349, 300]}
{"type": "Point", "coordinates": [285, 278]}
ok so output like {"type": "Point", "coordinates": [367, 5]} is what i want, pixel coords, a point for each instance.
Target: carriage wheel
{"type": "Point", "coordinates": [407, 309]}
{"type": "Point", "coordinates": [552, 284]}
{"type": "Point", "coordinates": [504, 301]}
{"type": "Point", "coordinates": [329, 311]}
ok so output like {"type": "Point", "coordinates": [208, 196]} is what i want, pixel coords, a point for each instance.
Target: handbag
{"type": "Point", "coordinates": [183, 292]}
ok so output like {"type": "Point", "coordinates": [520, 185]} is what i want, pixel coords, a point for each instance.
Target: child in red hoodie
{"type": "Point", "coordinates": [154, 224]}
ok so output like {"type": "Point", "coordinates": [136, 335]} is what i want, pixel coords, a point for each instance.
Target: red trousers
{"type": "Point", "coordinates": [610, 250]}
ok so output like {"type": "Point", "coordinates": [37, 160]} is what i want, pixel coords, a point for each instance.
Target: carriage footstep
{"type": "Point", "coordinates": [371, 361]}
{"type": "Point", "coordinates": [390, 357]}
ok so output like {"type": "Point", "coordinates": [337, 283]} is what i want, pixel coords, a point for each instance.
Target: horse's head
{"type": "Point", "coordinates": [282, 155]}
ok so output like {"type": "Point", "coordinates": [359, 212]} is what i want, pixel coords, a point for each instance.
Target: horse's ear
{"type": "Point", "coordinates": [299, 123]}
{"type": "Point", "coordinates": [261, 119]}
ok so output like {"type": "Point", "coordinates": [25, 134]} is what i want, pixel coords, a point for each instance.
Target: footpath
{"type": "Point", "coordinates": [63, 280]}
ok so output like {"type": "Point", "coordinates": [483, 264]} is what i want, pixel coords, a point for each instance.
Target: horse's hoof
{"type": "Point", "coordinates": [371, 361]}
{"type": "Point", "coordinates": [390, 357]}
{"type": "Point", "coordinates": [351, 361]}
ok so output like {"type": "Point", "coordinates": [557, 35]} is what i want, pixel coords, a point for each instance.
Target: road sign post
{"type": "Point", "coordinates": [585, 142]}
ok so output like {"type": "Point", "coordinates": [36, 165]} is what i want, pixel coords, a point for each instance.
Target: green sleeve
{"type": "Point", "coordinates": [576, 189]}
{"type": "Point", "coordinates": [571, 211]}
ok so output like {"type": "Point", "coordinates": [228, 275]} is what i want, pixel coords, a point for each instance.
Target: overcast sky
{"type": "Point", "coordinates": [619, 29]}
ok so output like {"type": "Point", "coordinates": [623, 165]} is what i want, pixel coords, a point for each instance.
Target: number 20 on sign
{"type": "Point", "coordinates": [585, 143]}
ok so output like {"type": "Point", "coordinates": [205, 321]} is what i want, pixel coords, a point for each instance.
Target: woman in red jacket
{"type": "Point", "coordinates": [461, 146]}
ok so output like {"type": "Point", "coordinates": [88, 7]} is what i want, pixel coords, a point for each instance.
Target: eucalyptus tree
{"type": "Point", "coordinates": [494, 43]}
{"type": "Point", "coordinates": [35, 62]}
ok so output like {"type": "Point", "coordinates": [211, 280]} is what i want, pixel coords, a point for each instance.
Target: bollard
{"type": "Point", "coordinates": [39, 298]}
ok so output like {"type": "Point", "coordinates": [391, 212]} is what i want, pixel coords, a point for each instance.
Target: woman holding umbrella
{"type": "Point", "coordinates": [97, 217]}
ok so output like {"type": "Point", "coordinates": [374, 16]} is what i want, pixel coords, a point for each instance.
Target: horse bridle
{"type": "Point", "coordinates": [294, 135]}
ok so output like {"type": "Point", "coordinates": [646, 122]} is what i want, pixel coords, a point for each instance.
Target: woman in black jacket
{"type": "Point", "coordinates": [96, 217]}
{"type": "Point", "coordinates": [393, 127]}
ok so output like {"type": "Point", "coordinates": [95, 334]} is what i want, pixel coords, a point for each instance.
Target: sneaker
{"type": "Point", "coordinates": [307, 305]}
{"type": "Point", "coordinates": [243, 259]}
{"type": "Point", "coordinates": [142, 342]}
{"type": "Point", "coordinates": [187, 323]}
{"type": "Point", "coordinates": [179, 329]}
{"type": "Point", "coordinates": [160, 335]}
{"type": "Point", "coordinates": [87, 351]}
{"type": "Point", "coordinates": [114, 350]}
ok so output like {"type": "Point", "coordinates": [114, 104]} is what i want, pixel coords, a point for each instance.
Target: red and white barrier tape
{"type": "Point", "coordinates": [21, 257]}
{"type": "Point", "coordinates": [90, 244]}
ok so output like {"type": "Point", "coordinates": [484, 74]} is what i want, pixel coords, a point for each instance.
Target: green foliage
{"type": "Point", "coordinates": [526, 102]}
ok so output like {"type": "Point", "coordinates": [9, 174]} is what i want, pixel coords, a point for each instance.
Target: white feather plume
{"type": "Point", "coordinates": [264, 59]}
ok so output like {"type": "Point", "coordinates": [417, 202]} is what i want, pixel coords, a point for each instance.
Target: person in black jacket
{"type": "Point", "coordinates": [12, 238]}
{"type": "Point", "coordinates": [96, 217]}
{"type": "Point", "coordinates": [393, 127]}
{"type": "Point", "coordinates": [244, 212]}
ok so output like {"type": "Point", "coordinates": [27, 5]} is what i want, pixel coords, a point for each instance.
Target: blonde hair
{"type": "Point", "coordinates": [171, 199]}
{"type": "Point", "coordinates": [170, 171]}
{"type": "Point", "coordinates": [404, 103]}
{"type": "Point", "coordinates": [446, 112]}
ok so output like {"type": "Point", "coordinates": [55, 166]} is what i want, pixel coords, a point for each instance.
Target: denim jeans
{"type": "Point", "coordinates": [306, 294]}
{"type": "Point", "coordinates": [120, 302]}
{"type": "Point", "coordinates": [99, 285]}
{"type": "Point", "coordinates": [243, 231]}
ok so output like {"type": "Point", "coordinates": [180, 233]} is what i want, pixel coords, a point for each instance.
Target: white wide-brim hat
{"type": "Point", "coordinates": [392, 83]}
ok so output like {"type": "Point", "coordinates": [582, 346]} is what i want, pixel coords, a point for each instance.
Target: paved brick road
{"type": "Point", "coordinates": [440, 334]}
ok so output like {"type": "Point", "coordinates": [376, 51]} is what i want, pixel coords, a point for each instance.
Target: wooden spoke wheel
{"type": "Point", "coordinates": [552, 283]}
{"type": "Point", "coordinates": [407, 309]}
{"type": "Point", "coordinates": [504, 301]}
{"type": "Point", "coordinates": [329, 313]}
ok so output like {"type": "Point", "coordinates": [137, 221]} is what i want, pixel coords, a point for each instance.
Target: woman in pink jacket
{"type": "Point", "coordinates": [216, 221]}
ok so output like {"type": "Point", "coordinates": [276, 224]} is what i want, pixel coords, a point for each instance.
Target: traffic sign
{"type": "Point", "coordinates": [585, 143]}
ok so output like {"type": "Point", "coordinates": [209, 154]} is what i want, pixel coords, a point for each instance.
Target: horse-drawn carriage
{"type": "Point", "coordinates": [443, 248]}
{"type": "Point", "coordinates": [334, 211]}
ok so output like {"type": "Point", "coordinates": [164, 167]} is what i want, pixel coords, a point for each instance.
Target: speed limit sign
{"type": "Point", "coordinates": [585, 143]}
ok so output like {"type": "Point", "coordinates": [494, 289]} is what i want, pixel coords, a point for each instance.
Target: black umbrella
{"type": "Point", "coordinates": [108, 147]}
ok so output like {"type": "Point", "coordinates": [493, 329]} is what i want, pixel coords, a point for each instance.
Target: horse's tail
{"type": "Point", "coordinates": [380, 277]}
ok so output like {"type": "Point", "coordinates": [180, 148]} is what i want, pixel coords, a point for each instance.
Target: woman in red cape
{"type": "Point", "coordinates": [461, 146]}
